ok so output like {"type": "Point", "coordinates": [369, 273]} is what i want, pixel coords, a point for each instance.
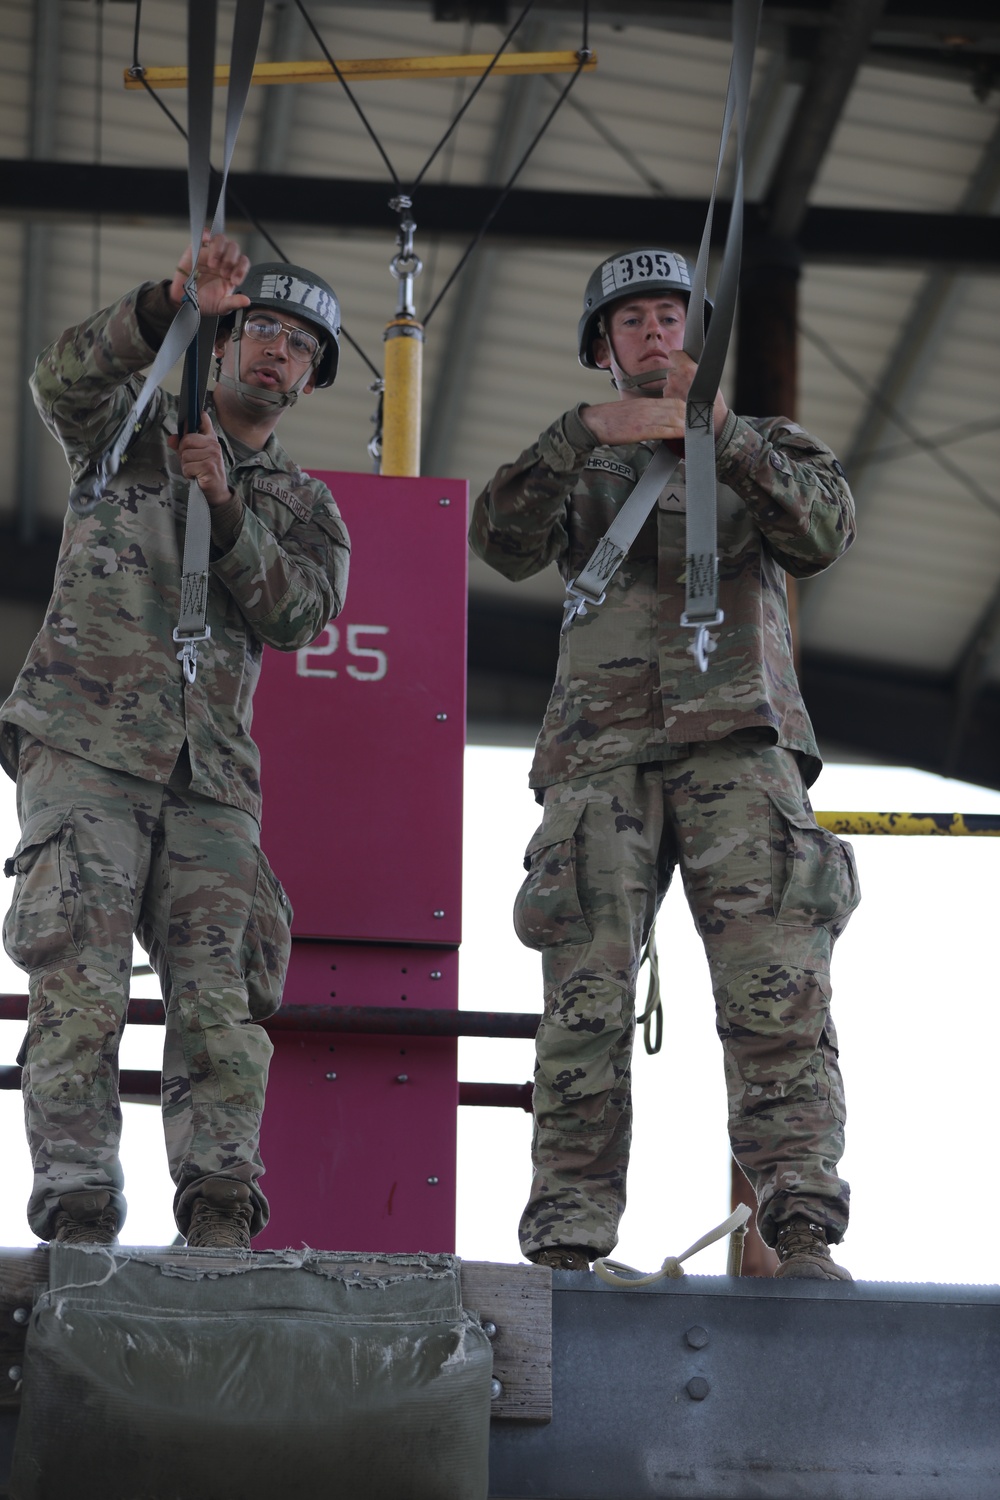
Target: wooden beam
{"type": "Point", "coordinates": [370, 69]}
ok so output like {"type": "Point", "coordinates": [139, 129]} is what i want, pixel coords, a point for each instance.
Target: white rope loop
{"type": "Point", "coordinates": [671, 1269]}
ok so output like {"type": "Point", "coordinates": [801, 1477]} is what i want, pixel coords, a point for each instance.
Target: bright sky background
{"type": "Point", "coordinates": [915, 993]}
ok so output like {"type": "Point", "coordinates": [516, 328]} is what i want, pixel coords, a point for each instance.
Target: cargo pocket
{"type": "Point", "coordinates": [547, 910]}
{"type": "Point", "coordinates": [814, 872]}
{"type": "Point", "coordinates": [45, 920]}
{"type": "Point", "coordinates": [267, 945]}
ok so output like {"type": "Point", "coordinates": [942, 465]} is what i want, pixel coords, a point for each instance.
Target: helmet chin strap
{"type": "Point", "coordinates": [648, 377]}
{"type": "Point", "coordinates": [253, 398]}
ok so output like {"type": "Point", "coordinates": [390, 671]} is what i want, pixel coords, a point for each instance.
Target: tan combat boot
{"type": "Point", "coordinates": [563, 1258]}
{"type": "Point", "coordinates": [803, 1251]}
{"type": "Point", "coordinates": [221, 1217]}
{"type": "Point", "coordinates": [85, 1218]}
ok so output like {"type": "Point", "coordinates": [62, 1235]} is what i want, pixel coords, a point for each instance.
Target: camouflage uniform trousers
{"type": "Point", "coordinates": [102, 855]}
{"type": "Point", "coordinates": [769, 892]}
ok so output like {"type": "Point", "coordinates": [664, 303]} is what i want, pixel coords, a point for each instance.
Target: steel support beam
{"type": "Point", "coordinates": [278, 112]}
{"type": "Point", "coordinates": [61, 190]}
{"type": "Point", "coordinates": [907, 368]}
{"type": "Point", "coordinates": [712, 1388]}
{"type": "Point", "coordinates": [35, 264]}
{"type": "Point", "coordinates": [471, 298]}
{"type": "Point", "coordinates": [839, 55]}
{"type": "Point", "coordinates": [903, 717]}
{"type": "Point", "coordinates": [909, 363]}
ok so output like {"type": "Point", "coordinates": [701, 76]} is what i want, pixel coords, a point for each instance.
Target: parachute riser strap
{"type": "Point", "coordinates": [701, 598]}
{"type": "Point", "coordinates": [192, 628]}
{"type": "Point", "coordinates": [590, 586]}
{"type": "Point", "coordinates": [90, 488]}
{"type": "Point", "coordinates": [701, 603]}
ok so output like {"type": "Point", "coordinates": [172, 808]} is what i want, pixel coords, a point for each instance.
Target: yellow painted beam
{"type": "Point", "coordinates": [366, 70]}
{"type": "Point", "coordinates": [961, 825]}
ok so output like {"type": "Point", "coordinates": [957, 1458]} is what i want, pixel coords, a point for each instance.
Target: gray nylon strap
{"type": "Point", "coordinates": [589, 586]}
{"type": "Point", "coordinates": [191, 624]}
{"type": "Point", "coordinates": [701, 601]}
{"type": "Point", "coordinates": [701, 607]}
{"type": "Point", "coordinates": [89, 489]}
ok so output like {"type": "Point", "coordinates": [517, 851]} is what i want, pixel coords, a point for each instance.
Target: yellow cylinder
{"type": "Point", "coordinates": [404, 354]}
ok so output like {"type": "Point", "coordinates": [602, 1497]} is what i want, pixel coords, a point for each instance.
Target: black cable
{"type": "Point", "coordinates": [954, 471]}
{"type": "Point", "coordinates": [140, 73]}
{"type": "Point", "coordinates": [505, 191]}
{"type": "Point", "coordinates": [496, 58]}
{"type": "Point", "coordinates": [360, 112]}
{"type": "Point", "coordinates": [585, 48]}
{"type": "Point", "coordinates": [607, 135]}
{"type": "Point", "coordinates": [430, 269]}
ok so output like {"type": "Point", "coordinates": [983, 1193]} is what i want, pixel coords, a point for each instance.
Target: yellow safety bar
{"type": "Point", "coordinates": [366, 70]}
{"type": "Point", "coordinates": [963, 825]}
{"type": "Point", "coordinates": [404, 341]}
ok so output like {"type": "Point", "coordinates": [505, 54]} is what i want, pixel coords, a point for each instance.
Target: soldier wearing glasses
{"type": "Point", "coordinates": [138, 790]}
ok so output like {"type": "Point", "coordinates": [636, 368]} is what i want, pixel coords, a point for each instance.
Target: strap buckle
{"type": "Point", "coordinates": [88, 491]}
{"type": "Point", "coordinates": [576, 603]}
{"type": "Point", "coordinates": [188, 654]}
{"type": "Point", "coordinates": [702, 644]}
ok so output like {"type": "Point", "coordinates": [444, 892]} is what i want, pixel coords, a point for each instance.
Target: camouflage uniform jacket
{"type": "Point", "coordinates": [102, 680]}
{"type": "Point", "coordinates": [626, 689]}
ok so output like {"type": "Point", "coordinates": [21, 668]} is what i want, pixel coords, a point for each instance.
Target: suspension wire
{"type": "Point", "coordinates": [138, 71]}
{"type": "Point", "coordinates": [606, 134]}
{"type": "Point", "coordinates": [496, 58]}
{"type": "Point", "coordinates": [446, 165]}
{"type": "Point", "coordinates": [954, 471]}
{"type": "Point", "coordinates": [360, 112]}
{"type": "Point", "coordinates": [892, 452]}
{"type": "Point", "coordinates": [505, 191]}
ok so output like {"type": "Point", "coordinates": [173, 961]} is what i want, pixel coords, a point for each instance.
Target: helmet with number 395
{"type": "Point", "coordinates": [635, 272]}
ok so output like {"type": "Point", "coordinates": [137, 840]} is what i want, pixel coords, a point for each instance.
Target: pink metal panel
{"type": "Point", "coordinates": [361, 739]}
{"type": "Point", "coordinates": [362, 733]}
{"type": "Point", "coordinates": [359, 1132]}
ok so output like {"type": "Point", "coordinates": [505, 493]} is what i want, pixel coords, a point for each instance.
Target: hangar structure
{"type": "Point", "coordinates": [872, 247]}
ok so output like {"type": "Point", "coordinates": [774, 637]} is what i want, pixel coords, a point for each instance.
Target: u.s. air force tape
{"type": "Point", "coordinates": [278, 492]}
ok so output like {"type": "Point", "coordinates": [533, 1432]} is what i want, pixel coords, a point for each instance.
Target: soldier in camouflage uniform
{"type": "Point", "coordinates": [138, 789]}
{"type": "Point", "coordinates": [644, 765]}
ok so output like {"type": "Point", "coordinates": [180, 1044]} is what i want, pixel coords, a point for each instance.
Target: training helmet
{"type": "Point", "coordinates": [641, 271]}
{"type": "Point", "coordinates": [288, 288]}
